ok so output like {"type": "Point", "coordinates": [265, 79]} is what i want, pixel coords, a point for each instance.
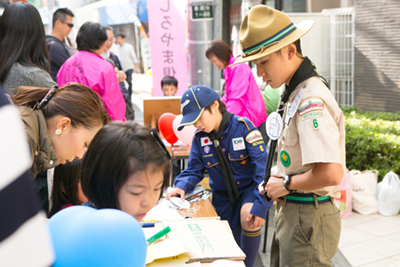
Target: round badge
{"type": "Point", "coordinates": [274, 125]}
{"type": "Point", "coordinates": [285, 158]}
{"type": "Point", "coordinates": [207, 149]}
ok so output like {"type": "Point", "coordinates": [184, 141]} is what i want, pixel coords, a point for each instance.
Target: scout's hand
{"type": "Point", "coordinates": [175, 192]}
{"type": "Point", "coordinates": [261, 188]}
{"type": "Point", "coordinates": [255, 221]}
{"type": "Point", "coordinates": [275, 188]}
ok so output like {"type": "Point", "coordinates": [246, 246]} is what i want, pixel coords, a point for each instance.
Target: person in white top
{"type": "Point", "coordinates": [128, 59]}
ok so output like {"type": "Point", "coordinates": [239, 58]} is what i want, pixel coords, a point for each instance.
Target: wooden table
{"type": "Point", "coordinates": [205, 210]}
{"type": "Point", "coordinates": [179, 153]}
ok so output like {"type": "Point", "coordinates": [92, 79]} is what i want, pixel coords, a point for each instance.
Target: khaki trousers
{"type": "Point", "coordinates": [305, 235]}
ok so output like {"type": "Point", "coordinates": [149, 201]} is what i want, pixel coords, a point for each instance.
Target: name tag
{"type": "Point", "coordinates": [238, 143]}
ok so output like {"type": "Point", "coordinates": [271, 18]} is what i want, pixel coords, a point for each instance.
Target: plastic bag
{"type": "Point", "coordinates": [344, 202]}
{"type": "Point", "coordinates": [364, 191]}
{"type": "Point", "coordinates": [389, 195]}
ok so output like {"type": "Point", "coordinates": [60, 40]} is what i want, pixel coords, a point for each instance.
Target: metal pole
{"type": "Point", "coordinates": [201, 16]}
{"type": "Point", "coordinates": [216, 73]}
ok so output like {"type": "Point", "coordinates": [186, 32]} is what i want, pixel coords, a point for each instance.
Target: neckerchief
{"type": "Point", "coordinates": [227, 174]}
{"type": "Point", "coordinates": [305, 71]}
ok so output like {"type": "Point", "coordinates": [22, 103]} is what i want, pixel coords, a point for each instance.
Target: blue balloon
{"type": "Point", "coordinates": [84, 236]}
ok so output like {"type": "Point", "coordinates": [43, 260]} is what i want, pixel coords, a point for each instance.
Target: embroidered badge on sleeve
{"type": "Point", "coordinates": [254, 136]}
{"type": "Point", "coordinates": [311, 107]}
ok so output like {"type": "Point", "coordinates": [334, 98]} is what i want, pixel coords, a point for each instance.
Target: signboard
{"type": "Point", "coordinates": [202, 12]}
{"type": "Point", "coordinates": [167, 43]}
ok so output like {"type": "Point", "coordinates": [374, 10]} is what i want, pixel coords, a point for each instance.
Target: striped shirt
{"type": "Point", "coordinates": [24, 237]}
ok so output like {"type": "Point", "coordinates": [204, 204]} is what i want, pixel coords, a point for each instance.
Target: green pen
{"type": "Point", "coordinates": [157, 236]}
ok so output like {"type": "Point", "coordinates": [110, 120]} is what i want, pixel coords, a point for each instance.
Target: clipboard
{"type": "Point", "coordinates": [154, 107]}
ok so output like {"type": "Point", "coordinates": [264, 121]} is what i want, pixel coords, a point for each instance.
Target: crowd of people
{"type": "Point", "coordinates": [69, 137]}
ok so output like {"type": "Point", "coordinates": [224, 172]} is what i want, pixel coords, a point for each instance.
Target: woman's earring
{"type": "Point", "coordinates": [58, 132]}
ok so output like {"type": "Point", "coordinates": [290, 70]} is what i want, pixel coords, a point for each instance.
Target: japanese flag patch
{"type": "Point", "coordinates": [205, 141]}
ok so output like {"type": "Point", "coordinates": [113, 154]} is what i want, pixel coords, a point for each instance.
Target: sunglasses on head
{"type": "Point", "coordinates": [160, 143]}
{"type": "Point", "coordinates": [68, 24]}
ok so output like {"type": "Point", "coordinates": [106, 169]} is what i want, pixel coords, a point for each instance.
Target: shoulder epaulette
{"type": "Point", "coordinates": [245, 120]}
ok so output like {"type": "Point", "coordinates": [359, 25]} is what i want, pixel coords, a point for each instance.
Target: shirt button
{"type": "Point", "coordinates": [241, 155]}
{"type": "Point", "coordinates": [36, 153]}
{"type": "Point", "coordinates": [51, 162]}
{"type": "Point", "coordinates": [223, 150]}
{"type": "Point", "coordinates": [40, 166]}
{"type": "Point", "coordinates": [238, 182]}
{"type": "Point", "coordinates": [208, 163]}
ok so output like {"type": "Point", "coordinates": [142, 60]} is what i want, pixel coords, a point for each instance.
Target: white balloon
{"type": "Point", "coordinates": [186, 134]}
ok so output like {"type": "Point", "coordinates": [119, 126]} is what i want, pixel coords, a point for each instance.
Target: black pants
{"type": "Point", "coordinates": [129, 81]}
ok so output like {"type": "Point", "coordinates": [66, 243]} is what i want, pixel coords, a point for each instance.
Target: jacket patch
{"type": "Point", "coordinates": [254, 136]}
{"type": "Point", "coordinates": [310, 104]}
{"type": "Point", "coordinates": [258, 143]}
{"type": "Point", "coordinates": [238, 143]}
{"type": "Point", "coordinates": [205, 141]}
{"type": "Point", "coordinates": [312, 114]}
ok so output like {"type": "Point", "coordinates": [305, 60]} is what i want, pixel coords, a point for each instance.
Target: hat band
{"type": "Point", "coordinates": [273, 39]}
{"type": "Point", "coordinates": [259, 50]}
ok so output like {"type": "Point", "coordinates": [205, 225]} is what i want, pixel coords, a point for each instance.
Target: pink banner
{"type": "Point", "coordinates": [167, 42]}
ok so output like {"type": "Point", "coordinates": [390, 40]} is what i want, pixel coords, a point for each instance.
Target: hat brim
{"type": "Point", "coordinates": [190, 119]}
{"type": "Point", "coordinates": [301, 29]}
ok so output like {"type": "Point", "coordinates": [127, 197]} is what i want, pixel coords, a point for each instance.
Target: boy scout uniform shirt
{"type": "Point", "coordinates": [244, 148]}
{"type": "Point", "coordinates": [315, 134]}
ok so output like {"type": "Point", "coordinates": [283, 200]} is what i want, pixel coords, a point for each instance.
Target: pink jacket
{"type": "Point", "coordinates": [93, 71]}
{"type": "Point", "coordinates": [242, 95]}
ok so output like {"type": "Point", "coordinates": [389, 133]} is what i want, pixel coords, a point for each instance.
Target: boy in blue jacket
{"type": "Point", "coordinates": [233, 152]}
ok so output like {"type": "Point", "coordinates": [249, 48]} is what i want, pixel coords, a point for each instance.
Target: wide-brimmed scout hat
{"type": "Point", "coordinates": [193, 102]}
{"type": "Point", "coordinates": [265, 30]}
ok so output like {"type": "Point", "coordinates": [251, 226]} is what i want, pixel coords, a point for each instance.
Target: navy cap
{"type": "Point", "coordinates": [193, 102]}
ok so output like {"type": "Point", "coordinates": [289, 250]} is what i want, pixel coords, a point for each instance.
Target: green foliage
{"type": "Point", "coordinates": [372, 141]}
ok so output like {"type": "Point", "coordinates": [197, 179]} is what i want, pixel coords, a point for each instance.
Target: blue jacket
{"type": "Point", "coordinates": [244, 148]}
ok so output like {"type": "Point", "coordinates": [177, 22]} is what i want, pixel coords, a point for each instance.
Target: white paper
{"type": "Point", "coordinates": [162, 212]}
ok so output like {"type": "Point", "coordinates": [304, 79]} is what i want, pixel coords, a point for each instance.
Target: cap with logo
{"type": "Point", "coordinates": [193, 102]}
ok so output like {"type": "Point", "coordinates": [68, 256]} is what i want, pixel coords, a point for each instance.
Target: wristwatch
{"type": "Point", "coordinates": [286, 182]}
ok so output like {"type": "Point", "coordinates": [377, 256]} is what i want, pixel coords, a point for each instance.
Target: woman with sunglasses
{"type": "Point", "coordinates": [24, 60]}
{"type": "Point", "coordinates": [124, 169]}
